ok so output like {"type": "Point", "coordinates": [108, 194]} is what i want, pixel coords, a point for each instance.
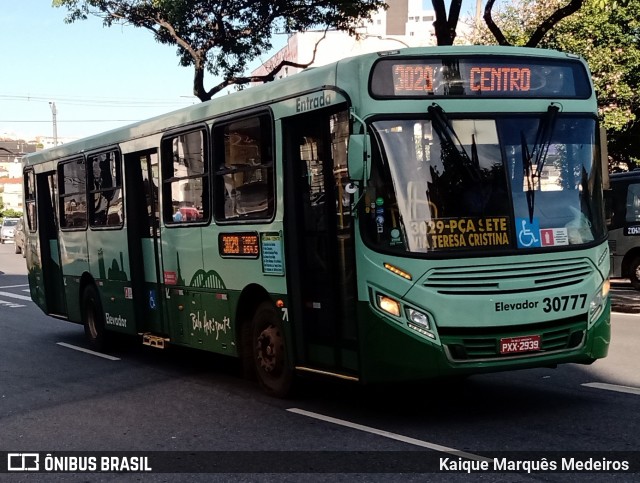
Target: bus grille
{"type": "Point", "coordinates": [470, 345]}
{"type": "Point", "coordinates": [507, 279]}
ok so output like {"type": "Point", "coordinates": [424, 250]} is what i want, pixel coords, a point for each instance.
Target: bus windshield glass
{"type": "Point", "coordinates": [468, 184]}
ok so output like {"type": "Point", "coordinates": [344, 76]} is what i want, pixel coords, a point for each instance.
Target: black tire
{"type": "Point", "coordinates": [634, 273]}
{"type": "Point", "coordinates": [267, 346]}
{"type": "Point", "coordinates": [93, 319]}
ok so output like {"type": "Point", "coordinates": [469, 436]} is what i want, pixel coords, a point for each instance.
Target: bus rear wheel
{"type": "Point", "coordinates": [93, 319]}
{"type": "Point", "coordinates": [270, 359]}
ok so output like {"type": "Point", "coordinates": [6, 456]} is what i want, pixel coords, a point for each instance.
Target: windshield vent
{"type": "Point", "coordinates": [507, 279]}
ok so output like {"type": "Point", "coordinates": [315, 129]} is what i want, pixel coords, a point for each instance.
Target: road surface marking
{"type": "Point", "coordinates": [613, 387]}
{"type": "Point", "coordinates": [16, 286]}
{"type": "Point", "coordinates": [15, 296]}
{"type": "Point", "coordinates": [93, 353]}
{"type": "Point", "coordinates": [11, 305]}
{"type": "Point", "coordinates": [387, 434]}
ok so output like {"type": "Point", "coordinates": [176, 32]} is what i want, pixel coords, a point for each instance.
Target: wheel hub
{"type": "Point", "coordinates": [269, 349]}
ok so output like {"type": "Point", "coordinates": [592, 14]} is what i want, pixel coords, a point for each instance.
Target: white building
{"type": "Point", "coordinates": [404, 24]}
{"type": "Point", "coordinates": [11, 194]}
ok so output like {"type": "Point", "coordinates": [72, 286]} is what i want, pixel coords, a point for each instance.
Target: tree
{"type": "Point", "coordinates": [607, 35]}
{"type": "Point", "coordinates": [544, 23]}
{"type": "Point", "coordinates": [445, 26]}
{"type": "Point", "coordinates": [11, 213]}
{"type": "Point", "coordinates": [222, 37]}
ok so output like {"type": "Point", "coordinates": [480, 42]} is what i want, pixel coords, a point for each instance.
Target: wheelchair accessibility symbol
{"type": "Point", "coordinates": [152, 299]}
{"type": "Point", "coordinates": [528, 233]}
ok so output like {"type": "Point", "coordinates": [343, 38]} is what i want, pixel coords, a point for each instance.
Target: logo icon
{"type": "Point", "coordinates": [23, 462]}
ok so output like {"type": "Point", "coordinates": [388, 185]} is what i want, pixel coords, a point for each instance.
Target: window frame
{"type": "Point", "coordinates": [167, 177]}
{"type": "Point", "coordinates": [91, 192]}
{"type": "Point", "coordinates": [267, 145]}
{"type": "Point", "coordinates": [62, 195]}
{"type": "Point", "coordinates": [30, 199]}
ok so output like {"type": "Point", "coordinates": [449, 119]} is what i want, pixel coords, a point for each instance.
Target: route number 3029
{"type": "Point", "coordinates": [566, 302]}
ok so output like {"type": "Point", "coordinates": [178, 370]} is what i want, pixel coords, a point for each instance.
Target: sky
{"type": "Point", "coordinates": [99, 78]}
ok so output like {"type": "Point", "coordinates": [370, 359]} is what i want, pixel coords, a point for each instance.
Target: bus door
{"type": "Point", "coordinates": [48, 225]}
{"type": "Point", "coordinates": [143, 231]}
{"type": "Point", "coordinates": [320, 245]}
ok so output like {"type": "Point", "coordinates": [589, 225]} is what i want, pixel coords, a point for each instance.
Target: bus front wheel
{"type": "Point", "coordinates": [93, 318]}
{"type": "Point", "coordinates": [270, 359]}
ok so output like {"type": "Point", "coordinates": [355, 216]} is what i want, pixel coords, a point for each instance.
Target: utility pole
{"type": "Point", "coordinates": [52, 105]}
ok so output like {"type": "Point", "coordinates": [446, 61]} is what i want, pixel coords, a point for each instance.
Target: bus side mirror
{"type": "Point", "coordinates": [604, 159]}
{"type": "Point", "coordinates": [359, 163]}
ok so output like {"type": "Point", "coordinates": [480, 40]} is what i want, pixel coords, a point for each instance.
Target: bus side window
{"type": "Point", "coordinates": [244, 169]}
{"type": "Point", "coordinates": [105, 187]}
{"type": "Point", "coordinates": [185, 176]}
{"type": "Point", "coordinates": [633, 203]}
{"type": "Point", "coordinates": [30, 199]}
{"type": "Point", "coordinates": [73, 194]}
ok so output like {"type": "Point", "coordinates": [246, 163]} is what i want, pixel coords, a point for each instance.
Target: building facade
{"type": "Point", "coordinates": [405, 23]}
{"type": "Point", "coordinates": [11, 152]}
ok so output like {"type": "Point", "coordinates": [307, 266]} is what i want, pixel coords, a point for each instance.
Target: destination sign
{"type": "Point", "coordinates": [239, 245]}
{"type": "Point", "coordinates": [444, 233]}
{"type": "Point", "coordinates": [480, 76]}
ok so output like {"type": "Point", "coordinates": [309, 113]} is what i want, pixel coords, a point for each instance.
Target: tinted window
{"type": "Point", "coordinates": [244, 169]}
{"type": "Point", "coordinates": [105, 190]}
{"type": "Point", "coordinates": [185, 178]}
{"type": "Point", "coordinates": [73, 196]}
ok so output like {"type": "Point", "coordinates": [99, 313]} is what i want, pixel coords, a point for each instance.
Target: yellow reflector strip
{"type": "Point", "coordinates": [397, 271]}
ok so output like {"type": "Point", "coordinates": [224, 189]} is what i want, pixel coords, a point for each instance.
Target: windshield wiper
{"type": "Point", "coordinates": [451, 140]}
{"type": "Point", "coordinates": [533, 162]}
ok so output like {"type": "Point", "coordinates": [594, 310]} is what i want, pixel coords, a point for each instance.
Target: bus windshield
{"type": "Point", "coordinates": [502, 183]}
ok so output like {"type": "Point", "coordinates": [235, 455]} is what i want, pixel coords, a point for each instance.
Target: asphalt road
{"type": "Point", "coordinates": [56, 398]}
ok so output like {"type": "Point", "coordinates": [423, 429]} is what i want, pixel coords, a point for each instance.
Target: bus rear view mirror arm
{"type": "Point", "coordinates": [359, 157]}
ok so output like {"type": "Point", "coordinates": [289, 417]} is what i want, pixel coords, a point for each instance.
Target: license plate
{"type": "Point", "coordinates": [514, 345]}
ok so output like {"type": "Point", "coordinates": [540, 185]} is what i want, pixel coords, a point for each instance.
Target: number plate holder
{"type": "Point", "coordinates": [517, 345]}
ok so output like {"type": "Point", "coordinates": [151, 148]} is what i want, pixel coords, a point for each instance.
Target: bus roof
{"type": "Point", "coordinates": [310, 79]}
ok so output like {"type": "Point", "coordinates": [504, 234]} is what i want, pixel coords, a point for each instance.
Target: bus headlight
{"type": "Point", "coordinates": [598, 301]}
{"type": "Point", "coordinates": [418, 318]}
{"type": "Point", "coordinates": [419, 322]}
{"type": "Point", "coordinates": [389, 305]}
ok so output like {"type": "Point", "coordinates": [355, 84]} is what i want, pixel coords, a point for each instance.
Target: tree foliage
{"type": "Point", "coordinates": [607, 35]}
{"type": "Point", "coordinates": [9, 213]}
{"type": "Point", "coordinates": [223, 36]}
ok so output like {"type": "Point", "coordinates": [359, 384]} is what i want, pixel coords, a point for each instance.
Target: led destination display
{"type": "Point", "coordinates": [480, 76]}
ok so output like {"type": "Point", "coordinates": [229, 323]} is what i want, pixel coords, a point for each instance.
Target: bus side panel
{"type": "Point", "coordinates": [74, 260]}
{"type": "Point", "coordinates": [181, 260]}
{"type": "Point", "coordinates": [109, 267]}
{"type": "Point", "coordinates": [34, 270]}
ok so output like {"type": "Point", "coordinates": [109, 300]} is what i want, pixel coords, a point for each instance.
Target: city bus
{"type": "Point", "coordinates": [623, 221]}
{"type": "Point", "coordinates": [396, 216]}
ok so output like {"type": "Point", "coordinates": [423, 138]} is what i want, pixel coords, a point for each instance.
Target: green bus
{"type": "Point", "coordinates": [395, 216]}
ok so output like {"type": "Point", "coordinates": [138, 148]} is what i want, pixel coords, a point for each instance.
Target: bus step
{"type": "Point", "coordinates": [154, 341]}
